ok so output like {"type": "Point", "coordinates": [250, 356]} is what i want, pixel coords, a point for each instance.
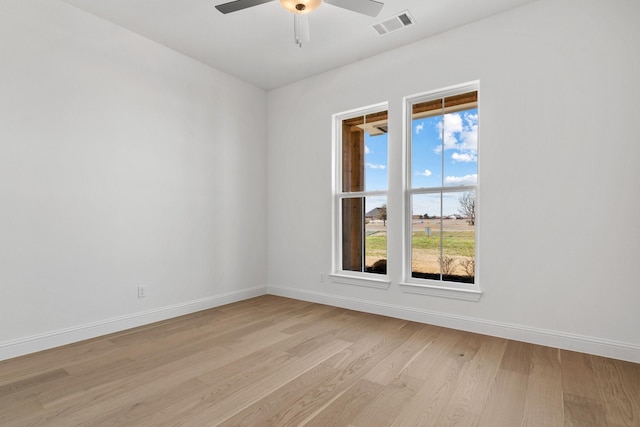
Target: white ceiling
{"type": "Point", "coordinates": [257, 46]}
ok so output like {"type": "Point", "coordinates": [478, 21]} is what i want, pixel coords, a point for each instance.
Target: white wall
{"type": "Point", "coordinates": [122, 163]}
{"type": "Point", "coordinates": [559, 237]}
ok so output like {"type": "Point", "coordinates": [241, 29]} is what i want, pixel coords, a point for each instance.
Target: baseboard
{"type": "Point", "coordinates": [565, 341]}
{"type": "Point", "coordinates": [32, 344]}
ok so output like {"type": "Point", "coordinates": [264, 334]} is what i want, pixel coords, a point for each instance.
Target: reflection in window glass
{"type": "Point", "coordinates": [365, 153]}
{"type": "Point", "coordinates": [375, 152]}
{"type": "Point", "coordinates": [352, 233]}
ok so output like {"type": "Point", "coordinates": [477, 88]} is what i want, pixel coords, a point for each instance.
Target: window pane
{"type": "Point", "coordinates": [364, 153]}
{"type": "Point", "coordinates": [426, 145]}
{"type": "Point", "coordinates": [375, 152]}
{"type": "Point", "coordinates": [444, 155]}
{"type": "Point", "coordinates": [425, 236]}
{"type": "Point", "coordinates": [352, 233]}
{"type": "Point", "coordinates": [460, 137]}
{"type": "Point", "coordinates": [353, 154]}
{"type": "Point", "coordinates": [443, 236]}
{"type": "Point", "coordinates": [458, 237]}
{"type": "Point", "coordinates": [364, 234]}
{"type": "Point", "coordinates": [376, 235]}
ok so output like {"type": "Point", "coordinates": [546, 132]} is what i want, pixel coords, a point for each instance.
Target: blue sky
{"type": "Point", "coordinates": [452, 138]}
{"type": "Point", "coordinates": [444, 153]}
{"type": "Point", "coordinates": [376, 168]}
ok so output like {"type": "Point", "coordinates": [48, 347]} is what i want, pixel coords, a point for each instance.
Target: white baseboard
{"type": "Point", "coordinates": [565, 341]}
{"type": "Point", "coordinates": [35, 343]}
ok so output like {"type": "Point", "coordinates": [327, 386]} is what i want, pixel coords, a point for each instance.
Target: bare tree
{"type": "Point", "coordinates": [468, 207]}
{"type": "Point", "coordinates": [447, 264]}
{"type": "Point", "coordinates": [469, 266]}
{"type": "Point", "coordinates": [382, 214]}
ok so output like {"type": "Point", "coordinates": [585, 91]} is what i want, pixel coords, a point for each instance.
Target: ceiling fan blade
{"type": "Point", "coordinates": [234, 6]}
{"type": "Point", "coordinates": [366, 7]}
{"type": "Point", "coordinates": [301, 32]}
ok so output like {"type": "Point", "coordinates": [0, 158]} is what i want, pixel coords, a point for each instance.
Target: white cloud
{"type": "Point", "coordinates": [462, 180]}
{"type": "Point", "coordinates": [375, 166]}
{"type": "Point", "coordinates": [426, 172]}
{"type": "Point", "coordinates": [469, 135]}
{"type": "Point", "coordinates": [452, 124]}
{"type": "Point", "coordinates": [464, 157]}
{"type": "Point", "coordinates": [460, 132]}
{"type": "Point", "coordinates": [419, 127]}
{"type": "Point", "coordinates": [366, 150]}
{"type": "Point", "coordinates": [469, 139]}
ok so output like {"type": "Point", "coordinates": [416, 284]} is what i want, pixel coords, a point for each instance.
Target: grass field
{"type": "Point", "coordinates": [455, 243]}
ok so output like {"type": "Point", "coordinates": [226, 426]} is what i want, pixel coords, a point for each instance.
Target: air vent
{"type": "Point", "coordinates": [402, 20]}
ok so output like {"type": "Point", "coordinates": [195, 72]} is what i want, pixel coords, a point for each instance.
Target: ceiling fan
{"type": "Point", "coordinates": [300, 9]}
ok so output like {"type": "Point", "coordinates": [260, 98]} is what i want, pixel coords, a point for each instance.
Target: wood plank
{"type": "Point", "coordinates": [27, 366]}
{"type": "Point", "coordinates": [580, 411]}
{"type": "Point", "coordinates": [578, 377]}
{"type": "Point", "coordinates": [475, 381]}
{"type": "Point", "coordinates": [440, 366]}
{"type": "Point", "coordinates": [619, 385]}
{"type": "Point", "coordinates": [284, 406]}
{"type": "Point", "coordinates": [388, 405]}
{"type": "Point", "coordinates": [439, 348]}
{"type": "Point", "coordinates": [429, 401]}
{"type": "Point", "coordinates": [389, 369]}
{"type": "Point", "coordinates": [517, 357]}
{"type": "Point", "coordinates": [33, 381]}
{"type": "Point", "coordinates": [19, 414]}
{"type": "Point", "coordinates": [505, 403]}
{"type": "Point", "coordinates": [543, 402]}
{"type": "Point", "coordinates": [348, 405]}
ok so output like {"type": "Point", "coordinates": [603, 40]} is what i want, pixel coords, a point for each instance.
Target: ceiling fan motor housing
{"type": "Point", "coordinates": [300, 6]}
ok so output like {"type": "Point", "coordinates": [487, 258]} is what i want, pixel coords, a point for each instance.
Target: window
{"type": "Point", "coordinates": [442, 147]}
{"type": "Point", "coordinates": [360, 201]}
{"type": "Point", "coordinates": [437, 197]}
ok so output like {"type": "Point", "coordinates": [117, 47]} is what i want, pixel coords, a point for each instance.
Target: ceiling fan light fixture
{"type": "Point", "coordinates": [300, 6]}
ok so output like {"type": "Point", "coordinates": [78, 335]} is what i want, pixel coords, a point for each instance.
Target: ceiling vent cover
{"type": "Point", "coordinates": [397, 22]}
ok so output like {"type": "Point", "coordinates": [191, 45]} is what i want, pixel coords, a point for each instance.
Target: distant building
{"type": "Point", "coordinates": [373, 214]}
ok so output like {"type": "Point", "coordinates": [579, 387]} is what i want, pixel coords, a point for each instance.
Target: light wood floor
{"type": "Point", "coordinates": [272, 361]}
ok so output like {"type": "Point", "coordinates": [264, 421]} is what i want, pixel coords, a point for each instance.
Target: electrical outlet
{"type": "Point", "coordinates": [142, 292]}
{"type": "Point", "coordinates": [322, 277]}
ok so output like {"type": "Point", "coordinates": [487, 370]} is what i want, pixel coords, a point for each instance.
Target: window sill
{"type": "Point", "coordinates": [442, 291]}
{"type": "Point", "coordinates": [368, 282]}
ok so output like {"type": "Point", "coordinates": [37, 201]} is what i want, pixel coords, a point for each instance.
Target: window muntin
{"type": "Point", "coordinates": [362, 192]}
{"type": "Point", "coordinates": [442, 181]}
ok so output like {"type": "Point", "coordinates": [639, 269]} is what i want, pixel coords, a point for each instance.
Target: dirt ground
{"type": "Point", "coordinates": [425, 263]}
{"type": "Point", "coordinates": [421, 224]}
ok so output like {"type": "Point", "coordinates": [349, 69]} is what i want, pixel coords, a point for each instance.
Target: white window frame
{"type": "Point", "coordinates": [440, 288]}
{"type": "Point", "coordinates": [338, 275]}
